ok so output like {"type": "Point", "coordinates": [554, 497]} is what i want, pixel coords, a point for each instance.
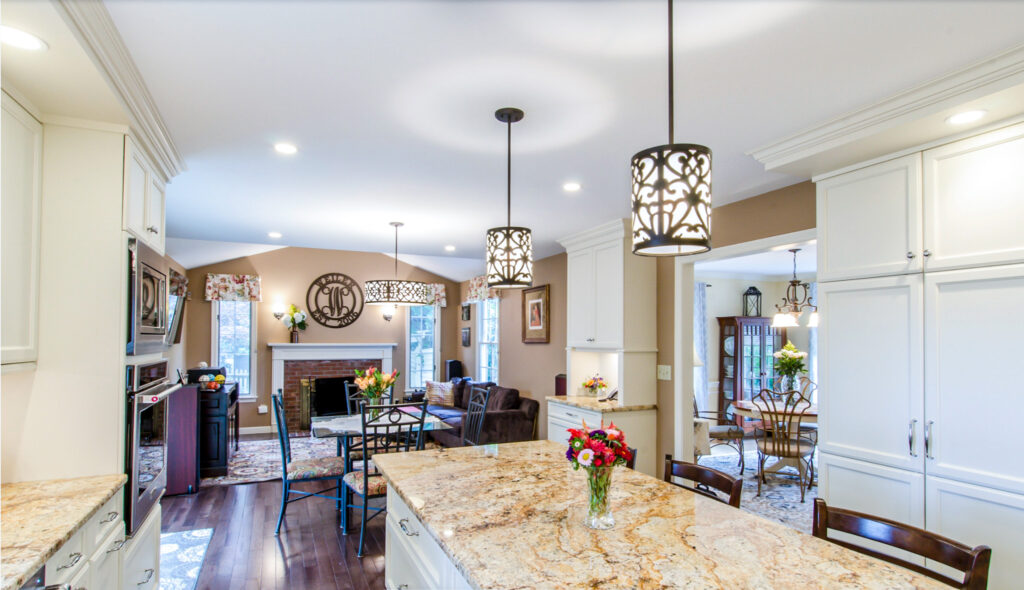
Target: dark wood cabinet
{"type": "Point", "coordinates": [183, 441]}
{"type": "Point", "coordinates": [218, 429]}
{"type": "Point", "coordinates": [746, 365]}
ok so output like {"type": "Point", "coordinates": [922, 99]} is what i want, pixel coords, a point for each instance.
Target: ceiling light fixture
{"type": "Point", "coordinates": [509, 249]}
{"type": "Point", "coordinates": [571, 187]}
{"type": "Point", "coordinates": [21, 39]}
{"type": "Point", "coordinates": [965, 117]}
{"type": "Point", "coordinates": [671, 190]}
{"type": "Point", "coordinates": [287, 149]}
{"type": "Point", "coordinates": [795, 302]}
{"type": "Point", "coordinates": [449, 248]}
{"type": "Point", "coordinates": [395, 292]}
{"type": "Point", "coordinates": [274, 234]}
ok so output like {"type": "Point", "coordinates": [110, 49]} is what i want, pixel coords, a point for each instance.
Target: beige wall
{"type": "Point", "coordinates": [286, 275]}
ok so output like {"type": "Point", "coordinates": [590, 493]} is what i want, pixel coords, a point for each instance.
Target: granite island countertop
{"type": "Point", "coordinates": [591, 403]}
{"type": "Point", "coordinates": [37, 517]}
{"type": "Point", "coordinates": [511, 516]}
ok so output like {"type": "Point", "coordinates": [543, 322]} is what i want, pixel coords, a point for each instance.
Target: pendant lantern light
{"type": "Point", "coordinates": [797, 299]}
{"type": "Point", "coordinates": [672, 190]}
{"type": "Point", "coordinates": [509, 248]}
{"type": "Point", "coordinates": [394, 292]}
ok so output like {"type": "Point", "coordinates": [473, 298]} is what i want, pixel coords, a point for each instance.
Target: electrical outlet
{"type": "Point", "coordinates": [261, 409]}
{"type": "Point", "coordinates": [664, 372]}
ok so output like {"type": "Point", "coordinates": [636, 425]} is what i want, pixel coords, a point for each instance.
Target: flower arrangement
{"type": "Point", "coordinates": [294, 319]}
{"type": "Point", "coordinates": [598, 452]}
{"type": "Point", "coordinates": [789, 361]}
{"type": "Point", "coordinates": [594, 385]}
{"type": "Point", "coordinates": [373, 384]}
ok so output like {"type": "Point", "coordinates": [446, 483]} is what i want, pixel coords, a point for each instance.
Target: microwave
{"type": "Point", "coordinates": [147, 299]}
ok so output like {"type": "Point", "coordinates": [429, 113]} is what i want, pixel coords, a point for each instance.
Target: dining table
{"type": "Point", "coordinates": [752, 409]}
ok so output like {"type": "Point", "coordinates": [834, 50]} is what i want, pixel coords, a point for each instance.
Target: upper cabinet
{"type": "Point", "coordinates": [954, 206]}
{"type": "Point", "coordinates": [21, 192]}
{"type": "Point", "coordinates": [143, 198]}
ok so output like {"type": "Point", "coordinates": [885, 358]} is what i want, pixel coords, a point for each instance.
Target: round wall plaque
{"type": "Point", "coordinates": [334, 300]}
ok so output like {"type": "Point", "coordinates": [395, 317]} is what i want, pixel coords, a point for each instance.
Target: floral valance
{"type": "Point", "coordinates": [178, 284]}
{"type": "Point", "coordinates": [478, 290]}
{"type": "Point", "coordinates": [436, 294]}
{"type": "Point", "coordinates": [233, 287]}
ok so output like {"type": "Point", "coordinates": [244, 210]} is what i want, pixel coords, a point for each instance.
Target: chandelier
{"type": "Point", "coordinates": [797, 299]}
{"type": "Point", "coordinates": [509, 249]}
{"type": "Point", "coordinates": [393, 291]}
{"type": "Point", "coordinates": [671, 190]}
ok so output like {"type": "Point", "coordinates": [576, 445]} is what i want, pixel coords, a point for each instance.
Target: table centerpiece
{"type": "Point", "coordinates": [789, 362]}
{"type": "Point", "coordinates": [373, 385]}
{"type": "Point", "coordinates": [598, 452]}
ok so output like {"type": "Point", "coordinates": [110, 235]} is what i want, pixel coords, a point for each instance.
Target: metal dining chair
{"type": "Point", "coordinates": [729, 433]}
{"type": "Point", "coordinates": [782, 415]}
{"type": "Point", "coordinates": [632, 458]}
{"type": "Point", "coordinates": [476, 411]}
{"type": "Point", "coordinates": [706, 480]}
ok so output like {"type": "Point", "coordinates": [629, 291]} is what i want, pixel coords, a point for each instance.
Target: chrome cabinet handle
{"type": "Point", "coordinates": [912, 437]}
{"type": "Point", "coordinates": [153, 229]}
{"type": "Point", "coordinates": [926, 253]}
{"type": "Point", "coordinates": [59, 587]}
{"type": "Point", "coordinates": [149, 576]}
{"type": "Point", "coordinates": [910, 255]}
{"type": "Point", "coordinates": [75, 558]}
{"type": "Point", "coordinates": [111, 517]}
{"type": "Point", "coordinates": [571, 415]}
{"type": "Point", "coordinates": [117, 546]}
{"type": "Point", "coordinates": [403, 587]}
{"type": "Point", "coordinates": [406, 530]}
{"type": "Point", "coordinates": [928, 439]}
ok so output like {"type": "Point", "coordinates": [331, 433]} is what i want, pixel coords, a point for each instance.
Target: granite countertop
{"type": "Point", "coordinates": [37, 517]}
{"type": "Point", "coordinates": [511, 517]}
{"type": "Point", "coordinates": [591, 403]}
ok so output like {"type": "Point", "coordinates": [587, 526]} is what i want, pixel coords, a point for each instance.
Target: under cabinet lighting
{"type": "Point", "coordinates": [965, 117]}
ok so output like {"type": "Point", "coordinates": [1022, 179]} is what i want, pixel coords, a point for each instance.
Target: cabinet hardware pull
{"type": "Point", "coordinates": [403, 587]}
{"type": "Point", "coordinates": [912, 437]}
{"type": "Point", "coordinates": [111, 517]}
{"type": "Point", "coordinates": [928, 439]}
{"type": "Point", "coordinates": [59, 587]}
{"type": "Point", "coordinates": [910, 255]}
{"type": "Point", "coordinates": [571, 415]}
{"type": "Point", "coordinates": [406, 530]}
{"type": "Point", "coordinates": [926, 253]}
{"type": "Point", "coordinates": [117, 546]}
{"type": "Point", "coordinates": [153, 229]}
{"type": "Point", "coordinates": [75, 558]}
{"type": "Point", "coordinates": [149, 576]}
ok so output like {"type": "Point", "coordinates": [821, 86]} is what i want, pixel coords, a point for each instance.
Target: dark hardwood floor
{"type": "Point", "coordinates": [310, 552]}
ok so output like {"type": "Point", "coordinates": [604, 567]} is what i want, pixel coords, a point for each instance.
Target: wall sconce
{"type": "Point", "coordinates": [389, 312]}
{"type": "Point", "coordinates": [279, 308]}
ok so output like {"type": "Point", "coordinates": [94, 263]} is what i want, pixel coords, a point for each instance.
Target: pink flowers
{"type": "Point", "coordinates": [597, 448]}
{"type": "Point", "coordinates": [585, 457]}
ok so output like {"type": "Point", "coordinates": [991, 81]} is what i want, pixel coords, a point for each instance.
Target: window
{"type": "Point", "coordinates": [234, 340]}
{"type": "Point", "coordinates": [422, 345]}
{"type": "Point", "coordinates": [487, 339]}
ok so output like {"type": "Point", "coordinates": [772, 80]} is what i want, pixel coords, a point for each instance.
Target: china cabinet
{"type": "Point", "coordinates": [746, 365]}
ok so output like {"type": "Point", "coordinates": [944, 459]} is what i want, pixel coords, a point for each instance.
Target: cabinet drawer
{"type": "Point", "coordinates": [81, 580]}
{"type": "Point", "coordinates": [66, 562]}
{"type": "Point", "coordinates": [140, 566]}
{"type": "Point", "coordinates": [427, 555]}
{"type": "Point", "coordinates": [401, 569]}
{"type": "Point", "coordinates": [107, 519]}
{"type": "Point", "coordinates": [213, 403]}
{"type": "Point", "coordinates": [573, 414]}
{"type": "Point", "coordinates": [105, 563]}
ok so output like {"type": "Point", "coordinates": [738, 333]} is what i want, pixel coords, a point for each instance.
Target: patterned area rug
{"type": "Point", "coordinates": [181, 558]}
{"type": "Point", "coordinates": [260, 460]}
{"type": "Point", "coordinates": [780, 497]}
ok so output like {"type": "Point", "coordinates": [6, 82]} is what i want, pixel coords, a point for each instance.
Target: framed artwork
{"type": "Point", "coordinates": [465, 337]}
{"type": "Point", "coordinates": [465, 312]}
{"type": "Point", "coordinates": [536, 315]}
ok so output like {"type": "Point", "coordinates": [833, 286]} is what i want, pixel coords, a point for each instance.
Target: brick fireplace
{"type": "Point", "coordinates": [291, 363]}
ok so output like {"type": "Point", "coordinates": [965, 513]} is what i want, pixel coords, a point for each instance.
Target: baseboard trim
{"type": "Point", "coordinates": [255, 430]}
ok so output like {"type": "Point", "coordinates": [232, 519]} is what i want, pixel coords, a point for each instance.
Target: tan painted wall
{"type": "Point", "coordinates": [286, 275]}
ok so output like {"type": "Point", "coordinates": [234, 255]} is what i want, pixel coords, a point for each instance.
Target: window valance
{"type": "Point", "coordinates": [436, 294]}
{"type": "Point", "coordinates": [221, 287]}
{"type": "Point", "coordinates": [177, 283]}
{"type": "Point", "coordinates": [478, 290]}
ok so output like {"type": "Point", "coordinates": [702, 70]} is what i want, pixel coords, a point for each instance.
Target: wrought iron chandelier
{"type": "Point", "coordinates": [394, 291]}
{"type": "Point", "coordinates": [797, 299]}
{"type": "Point", "coordinates": [672, 190]}
{"type": "Point", "coordinates": [509, 248]}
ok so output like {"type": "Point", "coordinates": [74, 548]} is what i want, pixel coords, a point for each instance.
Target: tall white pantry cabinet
{"type": "Point", "coordinates": [921, 292]}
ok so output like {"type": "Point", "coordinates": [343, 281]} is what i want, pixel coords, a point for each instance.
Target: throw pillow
{"type": "Point", "coordinates": [440, 394]}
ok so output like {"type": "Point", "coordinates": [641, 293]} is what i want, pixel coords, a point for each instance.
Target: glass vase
{"type": "Point", "coordinates": [599, 484]}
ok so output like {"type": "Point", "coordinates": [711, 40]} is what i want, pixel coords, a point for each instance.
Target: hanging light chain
{"type": "Point", "coordinates": [671, 80]}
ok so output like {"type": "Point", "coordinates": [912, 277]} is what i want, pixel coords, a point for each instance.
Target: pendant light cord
{"type": "Point", "coordinates": [396, 252]}
{"type": "Point", "coordinates": [508, 152]}
{"type": "Point", "coordinates": [671, 84]}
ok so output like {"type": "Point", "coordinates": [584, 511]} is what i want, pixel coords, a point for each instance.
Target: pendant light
{"type": "Point", "coordinates": [394, 292]}
{"type": "Point", "coordinates": [509, 249]}
{"type": "Point", "coordinates": [672, 190]}
{"type": "Point", "coordinates": [795, 302]}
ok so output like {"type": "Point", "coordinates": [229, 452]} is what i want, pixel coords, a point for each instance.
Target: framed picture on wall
{"type": "Point", "coordinates": [465, 337]}
{"type": "Point", "coordinates": [536, 315]}
{"type": "Point", "coordinates": [465, 312]}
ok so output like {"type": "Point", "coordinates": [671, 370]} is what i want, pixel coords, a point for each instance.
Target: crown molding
{"type": "Point", "coordinates": [90, 22]}
{"type": "Point", "coordinates": [993, 74]}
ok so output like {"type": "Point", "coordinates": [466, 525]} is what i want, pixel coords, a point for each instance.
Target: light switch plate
{"type": "Point", "coordinates": [261, 409]}
{"type": "Point", "coordinates": [664, 372]}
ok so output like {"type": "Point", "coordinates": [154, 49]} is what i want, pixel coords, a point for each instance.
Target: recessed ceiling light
{"type": "Point", "coordinates": [571, 187]}
{"type": "Point", "coordinates": [965, 117]}
{"type": "Point", "coordinates": [21, 39]}
{"type": "Point", "coordinates": [285, 148]}
{"type": "Point", "coordinates": [449, 248]}
{"type": "Point", "coordinates": [274, 234]}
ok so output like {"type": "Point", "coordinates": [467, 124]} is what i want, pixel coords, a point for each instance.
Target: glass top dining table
{"type": "Point", "coordinates": [348, 426]}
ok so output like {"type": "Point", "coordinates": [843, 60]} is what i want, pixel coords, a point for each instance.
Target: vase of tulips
{"type": "Point", "coordinates": [373, 385]}
{"type": "Point", "coordinates": [598, 452]}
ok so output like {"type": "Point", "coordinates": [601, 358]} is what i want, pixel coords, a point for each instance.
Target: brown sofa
{"type": "Point", "coordinates": [509, 417]}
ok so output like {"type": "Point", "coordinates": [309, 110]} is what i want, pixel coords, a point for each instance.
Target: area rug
{"type": "Point", "coordinates": [181, 558]}
{"type": "Point", "coordinates": [780, 497]}
{"type": "Point", "coordinates": [260, 460]}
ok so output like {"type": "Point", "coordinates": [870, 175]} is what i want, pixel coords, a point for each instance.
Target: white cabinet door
{"type": "Point", "coordinates": [580, 290]}
{"type": "Point", "coordinates": [606, 285]}
{"type": "Point", "coordinates": [975, 515]}
{"type": "Point", "coordinates": [155, 214]}
{"type": "Point", "coordinates": [974, 200]}
{"type": "Point", "coordinates": [105, 565]}
{"type": "Point", "coordinates": [135, 184]}
{"type": "Point", "coordinates": [141, 559]}
{"type": "Point", "coordinates": [870, 393]}
{"type": "Point", "coordinates": [972, 389]}
{"type": "Point", "coordinates": [869, 221]}
{"type": "Point", "coordinates": [21, 179]}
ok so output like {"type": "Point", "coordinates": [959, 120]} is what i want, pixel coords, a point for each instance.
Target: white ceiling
{"type": "Point", "coordinates": [391, 103]}
{"type": "Point", "coordinates": [776, 263]}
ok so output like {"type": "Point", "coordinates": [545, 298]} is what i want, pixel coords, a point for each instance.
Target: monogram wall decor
{"type": "Point", "coordinates": [334, 300]}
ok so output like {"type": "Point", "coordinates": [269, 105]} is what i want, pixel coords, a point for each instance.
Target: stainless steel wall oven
{"type": "Point", "coordinates": [148, 388]}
